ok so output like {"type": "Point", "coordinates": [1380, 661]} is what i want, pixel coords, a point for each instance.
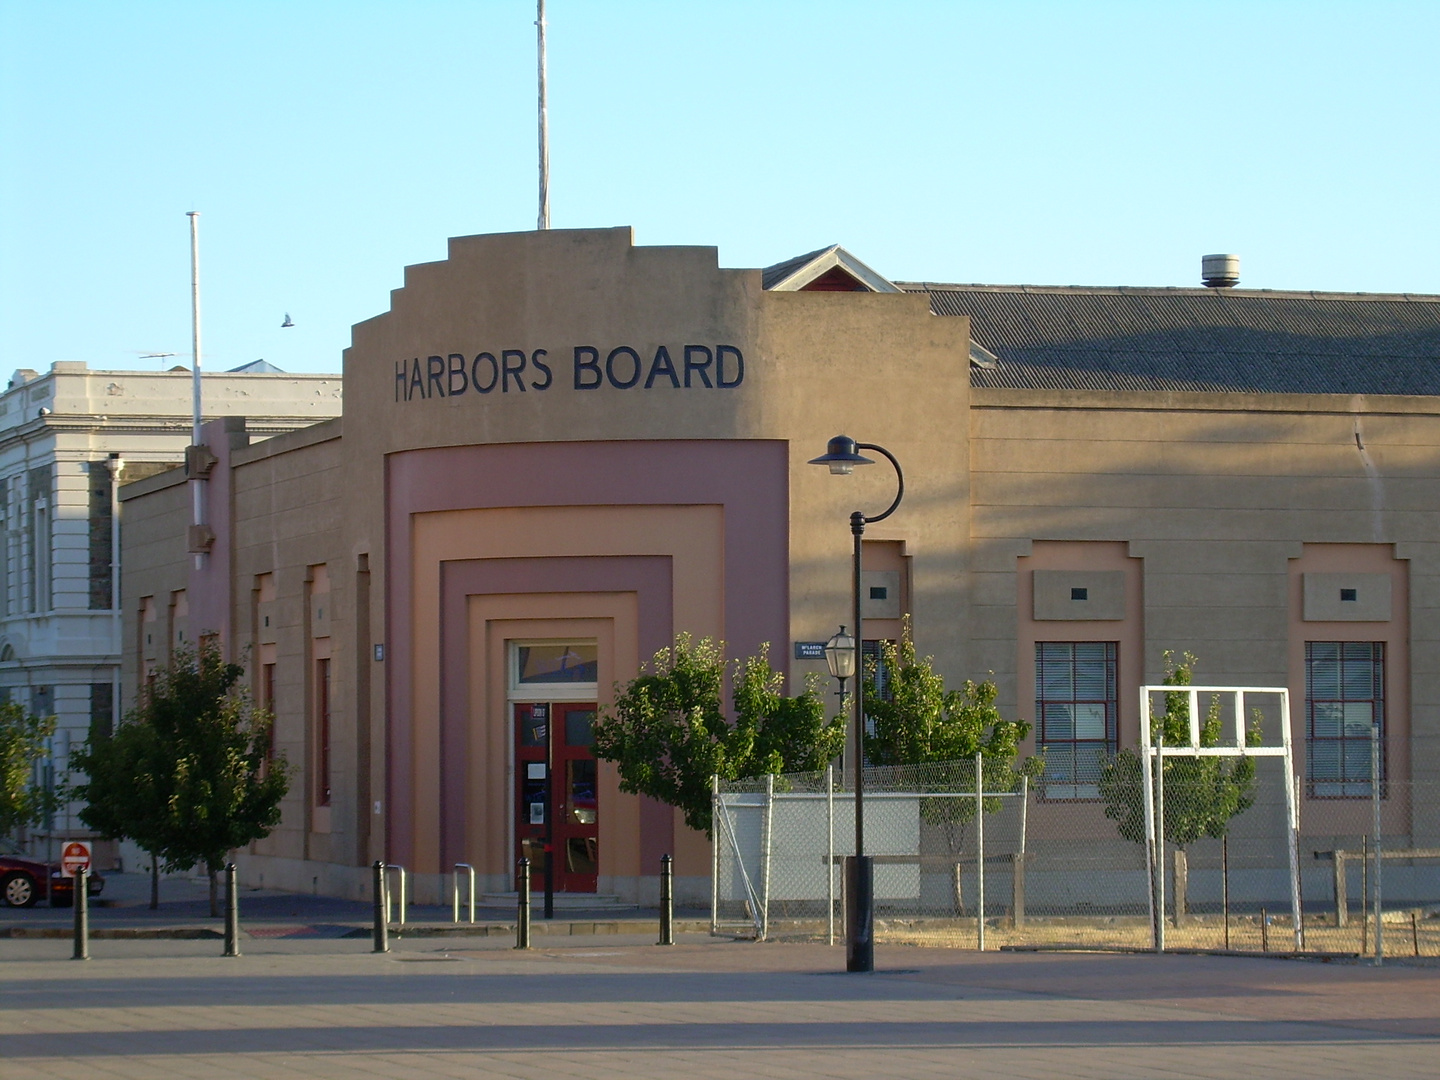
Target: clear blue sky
{"type": "Point", "coordinates": [328, 144]}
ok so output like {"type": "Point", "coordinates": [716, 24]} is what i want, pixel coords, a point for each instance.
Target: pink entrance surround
{"type": "Point", "coordinates": [748, 479]}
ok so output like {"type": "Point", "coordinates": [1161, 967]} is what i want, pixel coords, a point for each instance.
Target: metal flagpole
{"type": "Point", "coordinates": [544, 219]}
{"type": "Point", "coordinates": [197, 497]}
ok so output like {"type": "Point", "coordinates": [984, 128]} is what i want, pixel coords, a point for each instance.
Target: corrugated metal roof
{"type": "Point", "coordinates": [1199, 339]}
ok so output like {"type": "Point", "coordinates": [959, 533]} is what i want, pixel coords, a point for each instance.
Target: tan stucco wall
{"type": "Point", "coordinates": [1217, 494]}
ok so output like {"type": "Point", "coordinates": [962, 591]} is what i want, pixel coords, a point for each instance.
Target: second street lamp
{"type": "Point", "coordinates": [842, 455]}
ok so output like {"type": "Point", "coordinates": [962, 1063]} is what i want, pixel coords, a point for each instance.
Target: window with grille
{"type": "Point", "coordinates": [1076, 708]}
{"type": "Point", "coordinates": [870, 653]}
{"type": "Point", "coordinates": [1344, 696]}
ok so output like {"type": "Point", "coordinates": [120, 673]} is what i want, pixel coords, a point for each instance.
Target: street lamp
{"type": "Point", "coordinates": [842, 455]}
{"type": "Point", "coordinates": [840, 656]}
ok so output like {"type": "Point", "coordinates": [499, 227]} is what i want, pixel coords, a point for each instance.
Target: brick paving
{"type": "Point", "coordinates": [619, 1006]}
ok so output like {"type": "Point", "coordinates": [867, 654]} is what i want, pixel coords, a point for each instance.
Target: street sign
{"type": "Point", "coordinates": [74, 857]}
{"type": "Point", "coordinates": [810, 650]}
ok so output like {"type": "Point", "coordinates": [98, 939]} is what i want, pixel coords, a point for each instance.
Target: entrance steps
{"type": "Point", "coordinates": [563, 901]}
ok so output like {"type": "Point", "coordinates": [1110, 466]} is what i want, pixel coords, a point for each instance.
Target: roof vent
{"type": "Point", "coordinates": [1220, 271]}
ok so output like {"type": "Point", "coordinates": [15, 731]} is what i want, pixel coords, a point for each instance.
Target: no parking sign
{"type": "Point", "coordinates": [74, 857]}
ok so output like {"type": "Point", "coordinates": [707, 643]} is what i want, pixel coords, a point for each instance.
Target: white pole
{"type": "Point", "coordinates": [715, 854]}
{"type": "Point", "coordinates": [197, 498]}
{"type": "Point", "coordinates": [1024, 810]}
{"type": "Point", "coordinates": [544, 219]}
{"type": "Point", "coordinates": [830, 852]}
{"type": "Point", "coordinates": [979, 853]}
{"type": "Point", "coordinates": [765, 856]}
{"type": "Point", "coordinates": [1147, 787]}
{"type": "Point", "coordinates": [1375, 813]}
{"type": "Point", "coordinates": [1160, 843]}
{"type": "Point", "coordinates": [1292, 825]}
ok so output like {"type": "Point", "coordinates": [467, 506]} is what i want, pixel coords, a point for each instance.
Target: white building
{"type": "Point", "coordinates": [67, 438]}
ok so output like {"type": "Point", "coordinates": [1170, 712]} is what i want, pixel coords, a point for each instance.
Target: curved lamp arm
{"type": "Point", "coordinates": [899, 476]}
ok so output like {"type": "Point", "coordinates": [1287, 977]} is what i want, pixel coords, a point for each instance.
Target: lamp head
{"type": "Point", "coordinates": [840, 655]}
{"type": "Point", "coordinates": [842, 457]}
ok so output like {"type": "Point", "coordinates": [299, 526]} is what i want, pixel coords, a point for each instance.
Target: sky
{"type": "Point", "coordinates": [327, 145]}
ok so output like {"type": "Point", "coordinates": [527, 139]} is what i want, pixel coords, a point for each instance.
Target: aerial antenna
{"type": "Point", "coordinates": [544, 220]}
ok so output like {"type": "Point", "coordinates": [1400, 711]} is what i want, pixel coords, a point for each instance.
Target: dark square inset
{"type": "Point", "coordinates": [879, 592]}
{"type": "Point", "coordinates": [1079, 594]}
{"type": "Point", "coordinates": [1347, 594]}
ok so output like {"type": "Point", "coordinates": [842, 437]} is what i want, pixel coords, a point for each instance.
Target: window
{"type": "Point", "coordinates": [1076, 707]}
{"type": "Point", "coordinates": [322, 732]}
{"type": "Point", "coordinates": [870, 654]}
{"type": "Point", "coordinates": [1344, 696]}
{"type": "Point", "coordinates": [102, 710]}
{"type": "Point", "coordinates": [267, 702]}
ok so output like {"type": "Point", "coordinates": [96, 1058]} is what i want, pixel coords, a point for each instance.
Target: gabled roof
{"type": "Point", "coordinates": [1250, 340]}
{"type": "Point", "coordinates": [257, 367]}
{"type": "Point", "coordinates": [793, 275]}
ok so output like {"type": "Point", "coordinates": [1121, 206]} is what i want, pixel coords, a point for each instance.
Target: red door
{"type": "Point", "coordinates": [558, 806]}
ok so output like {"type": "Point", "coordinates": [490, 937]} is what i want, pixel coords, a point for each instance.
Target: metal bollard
{"type": "Point", "coordinates": [382, 927]}
{"type": "Point", "coordinates": [455, 889]}
{"type": "Point", "coordinates": [667, 902]}
{"type": "Point", "coordinates": [232, 912]}
{"type": "Point", "coordinates": [82, 915]}
{"type": "Point", "coordinates": [522, 904]}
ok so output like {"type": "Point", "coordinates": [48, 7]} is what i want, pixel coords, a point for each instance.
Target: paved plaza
{"type": "Point", "coordinates": [622, 1007]}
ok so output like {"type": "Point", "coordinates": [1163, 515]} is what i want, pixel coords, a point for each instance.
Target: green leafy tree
{"type": "Point", "coordinates": [919, 721]}
{"type": "Point", "coordinates": [123, 792]}
{"type": "Point", "coordinates": [188, 775]}
{"type": "Point", "coordinates": [668, 733]}
{"type": "Point", "coordinates": [23, 743]}
{"type": "Point", "coordinates": [1202, 794]}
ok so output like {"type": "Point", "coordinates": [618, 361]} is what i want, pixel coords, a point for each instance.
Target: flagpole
{"type": "Point", "coordinates": [544, 218]}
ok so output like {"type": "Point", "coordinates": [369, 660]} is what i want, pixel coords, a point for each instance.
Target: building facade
{"type": "Point", "coordinates": [558, 450]}
{"type": "Point", "coordinates": [68, 439]}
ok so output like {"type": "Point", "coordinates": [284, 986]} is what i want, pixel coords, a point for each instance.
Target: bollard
{"type": "Point", "coordinates": [82, 915]}
{"type": "Point", "coordinates": [232, 912]}
{"type": "Point", "coordinates": [382, 927]}
{"type": "Point", "coordinates": [1264, 930]}
{"type": "Point", "coordinates": [667, 901]}
{"type": "Point", "coordinates": [522, 904]}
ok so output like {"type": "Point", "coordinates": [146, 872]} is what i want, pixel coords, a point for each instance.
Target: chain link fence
{"type": "Point", "coordinates": [1067, 868]}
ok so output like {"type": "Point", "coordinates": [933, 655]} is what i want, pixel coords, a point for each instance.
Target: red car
{"type": "Point", "coordinates": [23, 880]}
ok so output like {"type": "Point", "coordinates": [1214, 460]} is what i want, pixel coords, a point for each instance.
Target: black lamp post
{"type": "Point", "coordinates": [842, 455]}
{"type": "Point", "coordinates": [840, 657]}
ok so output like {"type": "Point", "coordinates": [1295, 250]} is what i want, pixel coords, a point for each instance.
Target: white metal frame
{"type": "Point", "coordinates": [1152, 755]}
{"type": "Point", "coordinates": [533, 692]}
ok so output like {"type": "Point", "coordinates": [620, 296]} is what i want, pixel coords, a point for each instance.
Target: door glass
{"type": "Point", "coordinates": [581, 856]}
{"type": "Point", "coordinates": [580, 781]}
{"type": "Point", "coordinates": [556, 663]}
{"type": "Point", "coordinates": [577, 727]}
{"type": "Point", "coordinates": [533, 848]}
{"type": "Point", "coordinates": [534, 725]}
{"type": "Point", "coordinates": [532, 796]}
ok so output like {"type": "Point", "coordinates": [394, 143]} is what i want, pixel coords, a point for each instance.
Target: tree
{"type": "Point", "coordinates": [23, 743]}
{"type": "Point", "coordinates": [1203, 794]}
{"type": "Point", "coordinates": [668, 734]}
{"type": "Point", "coordinates": [917, 720]}
{"type": "Point", "coordinates": [188, 775]}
